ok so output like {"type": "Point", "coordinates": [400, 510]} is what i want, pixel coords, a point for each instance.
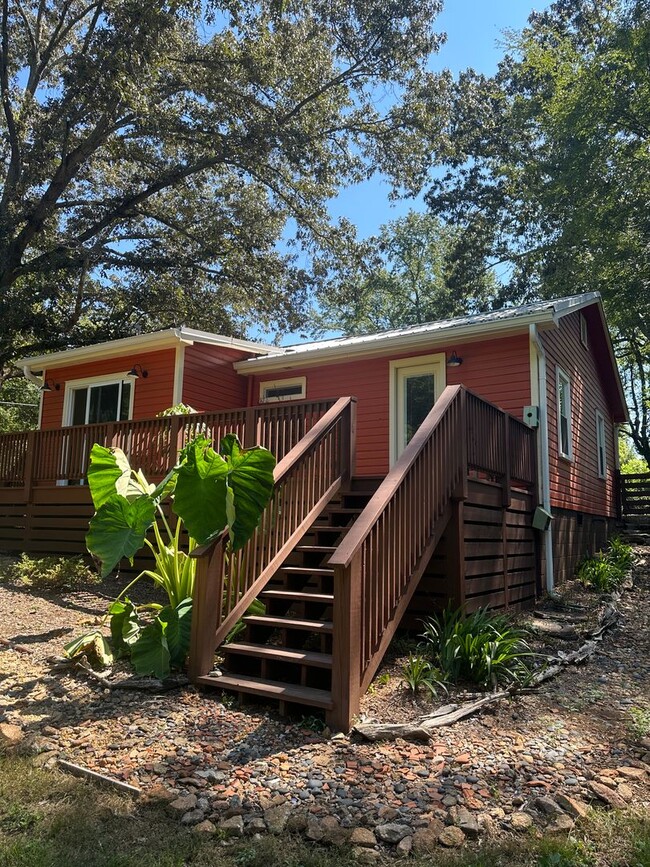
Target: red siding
{"type": "Point", "coordinates": [497, 369]}
{"type": "Point", "coordinates": [575, 484]}
{"type": "Point", "coordinates": [151, 395]}
{"type": "Point", "coordinates": [209, 379]}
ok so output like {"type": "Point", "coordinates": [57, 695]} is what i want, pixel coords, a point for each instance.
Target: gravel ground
{"type": "Point", "coordinates": [537, 760]}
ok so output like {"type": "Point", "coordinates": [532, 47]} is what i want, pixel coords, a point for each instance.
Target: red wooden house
{"type": "Point", "coordinates": [416, 466]}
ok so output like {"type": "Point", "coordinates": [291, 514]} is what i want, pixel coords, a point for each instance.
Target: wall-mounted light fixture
{"type": "Point", "coordinates": [454, 360]}
{"type": "Point", "coordinates": [50, 385]}
{"type": "Point", "coordinates": [137, 371]}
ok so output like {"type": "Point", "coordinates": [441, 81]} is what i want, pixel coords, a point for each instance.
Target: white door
{"type": "Point", "coordinates": [416, 384]}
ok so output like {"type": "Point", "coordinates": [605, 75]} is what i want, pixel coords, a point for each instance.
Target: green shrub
{"type": "Point", "coordinates": [52, 573]}
{"type": "Point", "coordinates": [606, 571]}
{"type": "Point", "coordinates": [418, 673]}
{"type": "Point", "coordinates": [481, 647]}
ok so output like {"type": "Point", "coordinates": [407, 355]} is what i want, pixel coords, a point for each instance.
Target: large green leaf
{"type": "Point", "coordinates": [150, 653]}
{"type": "Point", "coordinates": [200, 497]}
{"type": "Point", "coordinates": [251, 480]}
{"type": "Point", "coordinates": [118, 529]}
{"type": "Point", "coordinates": [94, 645]}
{"type": "Point", "coordinates": [178, 628]}
{"type": "Point", "coordinates": [125, 626]}
{"type": "Point", "coordinates": [109, 473]}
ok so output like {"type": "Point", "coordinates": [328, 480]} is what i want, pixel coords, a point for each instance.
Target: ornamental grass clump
{"type": "Point", "coordinates": [418, 673]}
{"type": "Point", "coordinates": [607, 570]}
{"type": "Point", "coordinates": [482, 648]}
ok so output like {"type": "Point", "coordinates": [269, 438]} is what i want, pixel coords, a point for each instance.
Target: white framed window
{"type": "Point", "coordinates": [283, 389]}
{"type": "Point", "coordinates": [584, 331]}
{"type": "Point", "coordinates": [564, 434]}
{"type": "Point", "coordinates": [98, 399]}
{"type": "Point", "coordinates": [601, 450]}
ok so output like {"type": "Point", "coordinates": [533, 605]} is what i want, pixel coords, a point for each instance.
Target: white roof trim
{"type": "Point", "coordinates": [429, 334]}
{"type": "Point", "coordinates": [171, 337]}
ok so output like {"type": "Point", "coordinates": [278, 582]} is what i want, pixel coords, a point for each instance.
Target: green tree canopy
{"type": "Point", "coordinates": [155, 154]}
{"type": "Point", "coordinates": [548, 170]}
{"type": "Point", "coordinates": [406, 277]}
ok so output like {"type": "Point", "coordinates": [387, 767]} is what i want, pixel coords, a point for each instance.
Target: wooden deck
{"type": "Point", "coordinates": [339, 561]}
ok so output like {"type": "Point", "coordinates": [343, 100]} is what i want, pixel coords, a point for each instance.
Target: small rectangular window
{"type": "Point", "coordinates": [564, 414]}
{"type": "Point", "coordinates": [601, 453]}
{"type": "Point", "coordinates": [283, 389]}
{"type": "Point", "coordinates": [584, 333]}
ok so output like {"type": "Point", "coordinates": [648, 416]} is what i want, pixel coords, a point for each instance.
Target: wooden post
{"type": "Point", "coordinates": [174, 440]}
{"type": "Point", "coordinates": [250, 428]}
{"type": "Point", "coordinates": [456, 553]}
{"type": "Point", "coordinates": [28, 486]}
{"type": "Point", "coordinates": [346, 645]}
{"type": "Point", "coordinates": [506, 469]}
{"type": "Point", "coordinates": [463, 433]}
{"type": "Point", "coordinates": [206, 608]}
{"type": "Point", "coordinates": [348, 441]}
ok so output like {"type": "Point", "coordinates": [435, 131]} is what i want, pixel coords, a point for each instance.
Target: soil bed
{"type": "Point", "coordinates": [577, 736]}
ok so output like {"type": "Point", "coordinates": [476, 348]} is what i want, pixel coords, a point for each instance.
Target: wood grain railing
{"type": "Point", "coordinates": [635, 495]}
{"type": "Point", "coordinates": [61, 454]}
{"type": "Point", "coordinates": [305, 481]}
{"type": "Point", "coordinates": [379, 563]}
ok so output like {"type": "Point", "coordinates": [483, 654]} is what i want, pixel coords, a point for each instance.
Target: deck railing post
{"type": "Point", "coordinates": [250, 428]}
{"type": "Point", "coordinates": [463, 429]}
{"type": "Point", "coordinates": [346, 645]}
{"type": "Point", "coordinates": [506, 468]}
{"type": "Point", "coordinates": [206, 607]}
{"type": "Point", "coordinates": [348, 441]}
{"type": "Point", "coordinates": [174, 440]}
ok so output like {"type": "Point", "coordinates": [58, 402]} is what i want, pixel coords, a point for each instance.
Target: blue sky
{"type": "Point", "coordinates": [474, 29]}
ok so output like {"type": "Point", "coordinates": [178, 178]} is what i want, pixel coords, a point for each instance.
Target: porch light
{"type": "Point", "coordinates": [454, 360]}
{"type": "Point", "coordinates": [50, 385]}
{"type": "Point", "coordinates": [137, 371]}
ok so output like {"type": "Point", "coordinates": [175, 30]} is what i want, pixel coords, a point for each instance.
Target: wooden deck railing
{"type": "Point", "coordinates": [635, 495]}
{"type": "Point", "coordinates": [379, 563]}
{"type": "Point", "coordinates": [61, 454]}
{"type": "Point", "coordinates": [305, 481]}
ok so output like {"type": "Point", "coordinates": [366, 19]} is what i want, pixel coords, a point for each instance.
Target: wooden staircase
{"type": "Point", "coordinates": [285, 654]}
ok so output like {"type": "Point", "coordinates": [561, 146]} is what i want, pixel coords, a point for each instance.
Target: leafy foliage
{"type": "Point", "coordinates": [606, 570]}
{"type": "Point", "coordinates": [209, 492]}
{"type": "Point", "coordinates": [406, 278]}
{"type": "Point", "coordinates": [19, 400]}
{"type": "Point", "coordinates": [481, 647]}
{"type": "Point", "coordinates": [51, 573]}
{"type": "Point", "coordinates": [157, 153]}
{"type": "Point", "coordinates": [93, 645]}
{"type": "Point", "coordinates": [418, 673]}
{"type": "Point", "coordinates": [547, 168]}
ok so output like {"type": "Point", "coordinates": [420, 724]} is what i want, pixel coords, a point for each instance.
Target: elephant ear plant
{"type": "Point", "coordinates": [209, 492]}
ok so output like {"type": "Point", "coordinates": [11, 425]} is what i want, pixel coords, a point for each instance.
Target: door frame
{"type": "Point", "coordinates": [435, 363]}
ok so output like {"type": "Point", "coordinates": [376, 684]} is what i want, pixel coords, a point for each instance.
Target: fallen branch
{"type": "Point", "coordinates": [5, 642]}
{"type": "Point", "coordinates": [79, 771]}
{"type": "Point", "coordinates": [135, 684]}
{"type": "Point", "coordinates": [422, 730]}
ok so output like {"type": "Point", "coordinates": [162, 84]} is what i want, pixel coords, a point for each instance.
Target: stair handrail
{"type": "Point", "coordinates": [219, 599]}
{"type": "Point", "coordinates": [378, 563]}
{"type": "Point", "coordinates": [353, 541]}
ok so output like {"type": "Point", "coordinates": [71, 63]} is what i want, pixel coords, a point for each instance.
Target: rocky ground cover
{"type": "Point", "coordinates": [535, 764]}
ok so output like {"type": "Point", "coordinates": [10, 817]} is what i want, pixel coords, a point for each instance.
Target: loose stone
{"type": "Point", "coordinates": [451, 837]}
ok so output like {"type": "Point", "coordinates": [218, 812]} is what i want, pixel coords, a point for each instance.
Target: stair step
{"type": "Point", "coordinates": [281, 654]}
{"type": "Point", "coordinates": [306, 570]}
{"type": "Point", "coordinates": [295, 596]}
{"type": "Point", "coordinates": [273, 689]}
{"type": "Point", "coordinates": [316, 549]}
{"type": "Point", "coordinates": [323, 626]}
{"type": "Point", "coordinates": [345, 510]}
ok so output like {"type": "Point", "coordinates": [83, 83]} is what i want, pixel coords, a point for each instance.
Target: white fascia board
{"type": "Point", "coordinates": [397, 343]}
{"type": "Point", "coordinates": [194, 335]}
{"type": "Point", "coordinates": [156, 340]}
{"type": "Point", "coordinates": [569, 305]}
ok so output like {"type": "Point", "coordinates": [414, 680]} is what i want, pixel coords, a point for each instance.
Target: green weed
{"type": "Point", "coordinates": [52, 573]}
{"type": "Point", "coordinates": [418, 673]}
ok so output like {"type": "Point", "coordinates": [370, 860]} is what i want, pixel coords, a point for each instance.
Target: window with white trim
{"type": "Point", "coordinates": [97, 402]}
{"type": "Point", "coordinates": [601, 453]}
{"type": "Point", "coordinates": [283, 389]}
{"type": "Point", "coordinates": [564, 415]}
